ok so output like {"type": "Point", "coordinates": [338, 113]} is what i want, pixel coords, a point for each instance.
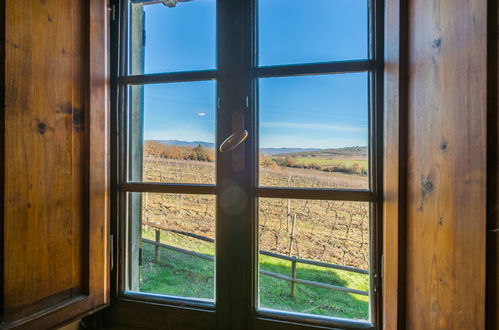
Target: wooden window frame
{"type": "Point", "coordinates": [182, 312]}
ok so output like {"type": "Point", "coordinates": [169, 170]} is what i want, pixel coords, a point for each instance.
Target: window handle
{"type": "Point", "coordinates": [233, 140]}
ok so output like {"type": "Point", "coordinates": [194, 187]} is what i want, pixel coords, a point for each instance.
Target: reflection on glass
{"type": "Point", "coordinates": [294, 31]}
{"type": "Point", "coordinates": [302, 243]}
{"type": "Point", "coordinates": [175, 132]}
{"type": "Point", "coordinates": [314, 131]}
{"type": "Point", "coordinates": [169, 39]}
{"type": "Point", "coordinates": [177, 235]}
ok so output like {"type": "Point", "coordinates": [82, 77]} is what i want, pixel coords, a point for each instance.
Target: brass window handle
{"type": "Point", "coordinates": [233, 140]}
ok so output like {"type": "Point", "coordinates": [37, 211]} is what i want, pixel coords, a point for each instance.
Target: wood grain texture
{"type": "Point", "coordinates": [44, 133]}
{"type": "Point", "coordinates": [446, 165]}
{"type": "Point", "coordinates": [395, 99]}
{"type": "Point", "coordinates": [127, 314]}
{"type": "Point", "coordinates": [56, 186]}
{"type": "Point", "coordinates": [71, 326]}
{"type": "Point", "coordinates": [98, 150]}
{"type": "Point", "coordinates": [2, 139]}
{"type": "Point", "coordinates": [269, 324]}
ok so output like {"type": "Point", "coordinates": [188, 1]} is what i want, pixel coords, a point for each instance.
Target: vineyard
{"type": "Point", "coordinates": [335, 232]}
{"type": "Point", "coordinates": [330, 231]}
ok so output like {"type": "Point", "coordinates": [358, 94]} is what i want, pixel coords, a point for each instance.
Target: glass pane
{"type": "Point", "coordinates": [172, 133]}
{"type": "Point", "coordinates": [293, 31]}
{"type": "Point", "coordinates": [175, 236]}
{"type": "Point", "coordinates": [169, 39]}
{"type": "Point", "coordinates": [307, 241]}
{"type": "Point", "coordinates": [314, 131]}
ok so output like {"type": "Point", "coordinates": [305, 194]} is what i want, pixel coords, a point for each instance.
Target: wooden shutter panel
{"type": "Point", "coordinates": [55, 224]}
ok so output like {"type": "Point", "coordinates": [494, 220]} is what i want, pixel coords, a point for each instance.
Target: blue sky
{"type": "Point", "coordinates": [325, 111]}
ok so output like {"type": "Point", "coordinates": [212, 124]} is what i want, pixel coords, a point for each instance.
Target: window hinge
{"type": "Point", "coordinates": [381, 270]}
{"type": "Point", "coordinates": [111, 252]}
{"type": "Point", "coordinates": [112, 11]}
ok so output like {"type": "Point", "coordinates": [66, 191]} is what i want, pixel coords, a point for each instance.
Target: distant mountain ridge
{"type": "Point", "coordinates": [278, 151]}
{"type": "Point", "coordinates": [356, 152]}
{"type": "Point", "coordinates": [272, 151]}
{"type": "Point", "coordinates": [187, 143]}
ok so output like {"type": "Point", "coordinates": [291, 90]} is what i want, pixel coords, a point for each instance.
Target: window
{"type": "Point", "coordinates": [249, 159]}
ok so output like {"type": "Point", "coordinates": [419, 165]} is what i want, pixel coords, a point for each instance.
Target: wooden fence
{"type": "Point", "coordinates": [293, 279]}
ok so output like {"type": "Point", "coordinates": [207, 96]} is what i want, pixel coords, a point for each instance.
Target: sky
{"type": "Point", "coordinates": [324, 111]}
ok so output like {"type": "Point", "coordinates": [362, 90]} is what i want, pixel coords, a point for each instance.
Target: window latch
{"type": "Point", "coordinates": [233, 140]}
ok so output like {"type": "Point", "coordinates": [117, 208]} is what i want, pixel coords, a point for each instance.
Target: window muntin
{"type": "Point", "coordinates": [136, 182]}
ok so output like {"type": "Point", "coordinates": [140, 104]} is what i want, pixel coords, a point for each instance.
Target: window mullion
{"type": "Point", "coordinates": [232, 199]}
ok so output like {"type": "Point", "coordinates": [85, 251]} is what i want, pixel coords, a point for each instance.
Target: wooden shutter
{"type": "Point", "coordinates": [435, 164]}
{"type": "Point", "coordinates": [55, 224]}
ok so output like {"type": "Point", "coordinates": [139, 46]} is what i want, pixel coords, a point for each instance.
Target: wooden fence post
{"type": "Point", "coordinates": [293, 276]}
{"type": "Point", "coordinates": [156, 247]}
{"type": "Point", "coordinates": [181, 199]}
{"type": "Point", "coordinates": [292, 237]}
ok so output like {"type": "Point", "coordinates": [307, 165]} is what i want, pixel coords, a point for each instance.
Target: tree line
{"type": "Point", "coordinates": [160, 150]}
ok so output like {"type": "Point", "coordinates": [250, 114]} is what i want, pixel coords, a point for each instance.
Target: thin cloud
{"type": "Point", "coordinates": [292, 125]}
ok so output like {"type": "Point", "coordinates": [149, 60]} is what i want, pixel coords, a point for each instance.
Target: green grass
{"type": "Point", "coordinates": [177, 274]}
{"type": "Point", "coordinates": [275, 293]}
{"type": "Point", "coordinates": [182, 275]}
{"type": "Point", "coordinates": [330, 161]}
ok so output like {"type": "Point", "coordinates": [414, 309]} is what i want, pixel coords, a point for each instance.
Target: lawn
{"type": "Point", "coordinates": [182, 275]}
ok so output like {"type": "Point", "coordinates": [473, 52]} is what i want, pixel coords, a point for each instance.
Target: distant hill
{"type": "Point", "coordinates": [349, 152]}
{"type": "Point", "coordinates": [291, 152]}
{"type": "Point", "coordinates": [187, 143]}
{"type": "Point", "coordinates": [278, 151]}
